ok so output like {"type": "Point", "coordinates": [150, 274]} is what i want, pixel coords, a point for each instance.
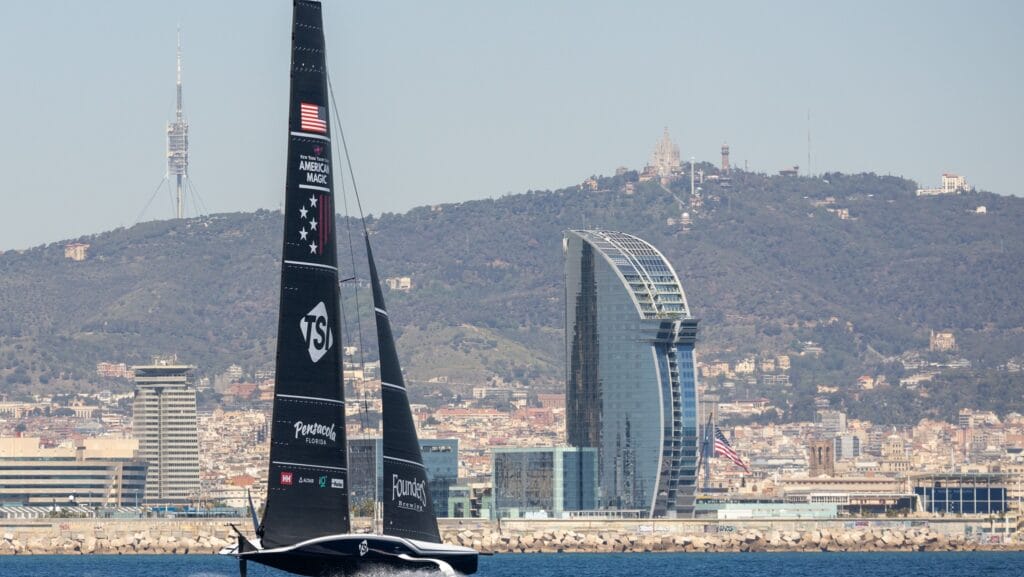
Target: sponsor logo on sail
{"type": "Point", "coordinates": [286, 477]}
{"type": "Point", "coordinates": [404, 489]}
{"type": "Point", "coordinates": [315, 433]}
{"type": "Point", "coordinates": [315, 169]}
{"type": "Point", "coordinates": [323, 481]}
{"type": "Point", "coordinates": [337, 483]}
{"type": "Point", "coordinates": [316, 332]}
{"type": "Point", "coordinates": [364, 548]}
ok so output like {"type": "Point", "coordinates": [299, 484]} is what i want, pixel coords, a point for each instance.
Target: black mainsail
{"type": "Point", "coordinates": [307, 487]}
{"type": "Point", "coordinates": [306, 527]}
{"type": "Point", "coordinates": [408, 509]}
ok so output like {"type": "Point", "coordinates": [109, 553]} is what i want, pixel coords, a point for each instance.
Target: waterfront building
{"type": "Point", "coordinates": [852, 495]}
{"type": "Point", "coordinates": [95, 472]}
{"type": "Point", "coordinates": [962, 493]}
{"type": "Point", "coordinates": [543, 482]}
{"type": "Point", "coordinates": [164, 412]}
{"type": "Point", "coordinates": [366, 470]}
{"type": "Point", "coordinates": [768, 510]}
{"type": "Point", "coordinates": [441, 459]}
{"type": "Point", "coordinates": [631, 387]}
{"type": "Point", "coordinates": [471, 501]}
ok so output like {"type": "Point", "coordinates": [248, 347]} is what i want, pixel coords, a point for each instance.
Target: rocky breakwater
{"type": "Point", "coordinates": [102, 542]}
{"type": "Point", "coordinates": [567, 541]}
{"type": "Point", "coordinates": [205, 537]}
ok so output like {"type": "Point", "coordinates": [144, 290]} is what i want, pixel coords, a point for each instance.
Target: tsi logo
{"type": "Point", "coordinates": [316, 331]}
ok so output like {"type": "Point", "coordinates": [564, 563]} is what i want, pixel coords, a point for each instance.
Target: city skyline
{"type": "Point", "coordinates": [854, 383]}
{"type": "Point", "coordinates": [546, 96]}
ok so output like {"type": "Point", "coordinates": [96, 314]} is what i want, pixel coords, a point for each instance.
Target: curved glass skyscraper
{"type": "Point", "coordinates": [631, 388]}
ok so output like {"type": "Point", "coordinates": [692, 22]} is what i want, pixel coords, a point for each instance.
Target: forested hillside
{"type": "Point", "coordinates": [766, 262]}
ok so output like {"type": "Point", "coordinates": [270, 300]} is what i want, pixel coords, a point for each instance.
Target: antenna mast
{"type": "Point", "coordinates": [177, 145]}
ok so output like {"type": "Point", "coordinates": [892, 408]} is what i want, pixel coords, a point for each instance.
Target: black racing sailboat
{"type": "Point", "coordinates": [306, 526]}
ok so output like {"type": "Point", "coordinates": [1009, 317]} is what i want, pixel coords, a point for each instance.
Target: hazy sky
{"type": "Point", "coordinates": [453, 100]}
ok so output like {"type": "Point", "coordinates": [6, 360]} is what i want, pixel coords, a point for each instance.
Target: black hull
{"type": "Point", "coordinates": [349, 554]}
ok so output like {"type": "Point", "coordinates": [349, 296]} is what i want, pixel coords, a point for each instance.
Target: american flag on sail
{"type": "Point", "coordinates": [312, 118]}
{"type": "Point", "coordinates": [724, 448]}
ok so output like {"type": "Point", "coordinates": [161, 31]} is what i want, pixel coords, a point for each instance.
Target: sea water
{"type": "Point", "coordinates": [951, 564]}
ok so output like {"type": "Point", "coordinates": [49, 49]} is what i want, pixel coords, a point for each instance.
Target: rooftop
{"type": "Point", "coordinates": [654, 286]}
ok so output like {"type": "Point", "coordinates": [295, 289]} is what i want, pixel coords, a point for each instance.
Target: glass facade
{"type": "Point", "coordinates": [543, 481]}
{"type": "Point", "coordinates": [631, 389]}
{"type": "Point", "coordinates": [365, 470]}
{"type": "Point", "coordinates": [967, 501]}
{"type": "Point", "coordinates": [365, 467]}
{"type": "Point", "coordinates": [962, 493]}
{"type": "Point", "coordinates": [474, 501]}
{"type": "Point", "coordinates": [92, 482]}
{"type": "Point", "coordinates": [441, 458]}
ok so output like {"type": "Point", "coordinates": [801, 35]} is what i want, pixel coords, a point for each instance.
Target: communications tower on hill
{"type": "Point", "coordinates": [177, 147]}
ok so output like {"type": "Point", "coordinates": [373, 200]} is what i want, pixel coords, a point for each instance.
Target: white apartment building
{"type": "Point", "coordinates": [165, 425]}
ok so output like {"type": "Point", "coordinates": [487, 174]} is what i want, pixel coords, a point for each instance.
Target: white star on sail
{"type": "Point", "coordinates": [312, 248]}
{"type": "Point", "coordinates": [302, 212]}
{"type": "Point", "coordinates": [312, 201]}
{"type": "Point", "coordinates": [302, 234]}
{"type": "Point", "coordinates": [312, 224]}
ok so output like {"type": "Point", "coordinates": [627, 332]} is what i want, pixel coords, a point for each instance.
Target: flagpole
{"type": "Point", "coordinates": [701, 455]}
{"type": "Point", "coordinates": [711, 450]}
{"type": "Point", "coordinates": [708, 452]}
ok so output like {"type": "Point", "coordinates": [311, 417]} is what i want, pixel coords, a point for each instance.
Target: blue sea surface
{"type": "Point", "coordinates": [954, 564]}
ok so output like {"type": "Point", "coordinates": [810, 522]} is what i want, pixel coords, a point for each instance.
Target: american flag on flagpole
{"type": "Point", "coordinates": [312, 118]}
{"type": "Point", "coordinates": [724, 448]}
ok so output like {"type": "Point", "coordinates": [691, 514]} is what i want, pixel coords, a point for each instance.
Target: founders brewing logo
{"type": "Point", "coordinates": [316, 332]}
{"type": "Point", "coordinates": [414, 488]}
